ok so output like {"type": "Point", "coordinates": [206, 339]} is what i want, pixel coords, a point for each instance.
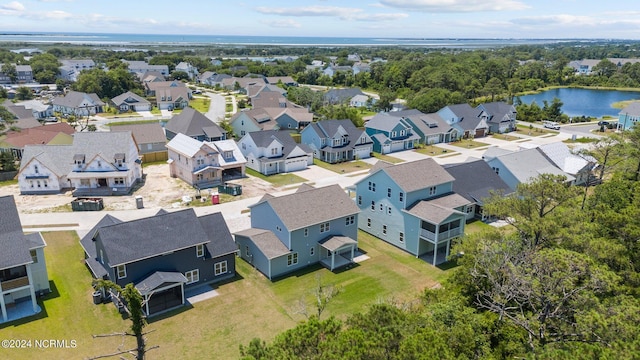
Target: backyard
{"type": "Point", "coordinates": [248, 306]}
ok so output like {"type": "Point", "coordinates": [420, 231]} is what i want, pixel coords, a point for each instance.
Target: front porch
{"type": "Point", "coordinates": [336, 155]}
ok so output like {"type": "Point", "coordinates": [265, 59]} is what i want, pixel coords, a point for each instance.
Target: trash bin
{"type": "Point", "coordinates": [97, 297]}
{"type": "Point", "coordinates": [139, 203]}
{"type": "Point", "coordinates": [215, 199]}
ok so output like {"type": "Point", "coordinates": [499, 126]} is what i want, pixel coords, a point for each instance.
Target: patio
{"type": "Point", "coordinates": [20, 309]}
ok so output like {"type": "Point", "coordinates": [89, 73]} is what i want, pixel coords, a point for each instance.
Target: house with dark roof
{"type": "Point", "coordinates": [391, 133]}
{"type": "Point", "coordinates": [284, 80]}
{"type": "Point", "coordinates": [150, 139]}
{"type": "Point", "coordinates": [204, 164]}
{"type": "Point", "coordinates": [212, 78]}
{"type": "Point", "coordinates": [54, 134]}
{"type": "Point", "coordinates": [291, 232]}
{"type": "Point", "coordinates": [194, 124]}
{"type": "Point", "coordinates": [39, 110]}
{"type": "Point", "coordinates": [273, 152]}
{"type": "Point", "coordinates": [431, 128]}
{"type": "Point", "coordinates": [162, 255]}
{"type": "Point", "coordinates": [95, 164]}
{"type": "Point", "coordinates": [78, 104]}
{"type": "Point", "coordinates": [335, 141]}
{"type": "Point", "coordinates": [469, 122]}
{"type": "Point", "coordinates": [629, 116]}
{"type": "Point", "coordinates": [23, 75]}
{"type": "Point", "coordinates": [476, 182]}
{"type": "Point", "coordinates": [501, 117]}
{"type": "Point", "coordinates": [412, 206]}
{"type": "Point", "coordinates": [131, 102]}
{"type": "Point", "coordinates": [23, 267]}
{"type": "Point", "coordinates": [341, 96]}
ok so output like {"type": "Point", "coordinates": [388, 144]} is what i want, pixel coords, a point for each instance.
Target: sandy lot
{"type": "Point", "coordinates": [158, 190]}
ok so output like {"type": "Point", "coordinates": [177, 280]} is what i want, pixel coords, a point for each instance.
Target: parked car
{"type": "Point", "coordinates": [551, 125]}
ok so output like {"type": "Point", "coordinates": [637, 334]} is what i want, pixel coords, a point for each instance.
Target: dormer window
{"type": "Point", "coordinates": [78, 159]}
{"type": "Point", "coordinates": [119, 159]}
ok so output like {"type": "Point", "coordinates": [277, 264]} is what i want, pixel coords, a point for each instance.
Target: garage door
{"type": "Point", "coordinates": [397, 146]}
{"type": "Point", "coordinates": [363, 153]}
{"type": "Point", "coordinates": [297, 164]}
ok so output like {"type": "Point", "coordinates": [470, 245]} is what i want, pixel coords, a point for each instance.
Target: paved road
{"type": "Point", "coordinates": [216, 108]}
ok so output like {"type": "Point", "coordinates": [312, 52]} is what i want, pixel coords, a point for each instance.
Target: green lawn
{"type": "Point", "coordinates": [200, 103]}
{"type": "Point", "coordinates": [156, 111]}
{"type": "Point", "coordinates": [345, 167]}
{"type": "Point", "coordinates": [535, 131]}
{"type": "Point", "coordinates": [431, 150]}
{"type": "Point", "coordinates": [277, 179]}
{"type": "Point", "coordinates": [248, 306]}
{"type": "Point", "coordinates": [506, 137]}
{"type": "Point", "coordinates": [387, 158]}
{"type": "Point", "coordinates": [8, 182]}
{"type": "Point", "coordinates": [468, 144]}
{"type": "Point", "coordinates": [134, 122]}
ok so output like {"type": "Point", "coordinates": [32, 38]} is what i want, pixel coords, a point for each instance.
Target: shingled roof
{"type": "Point", "coordinates": [475, 180]}
{"type": "Point", "coordinates": [14, 245]}
{"type": "Point", "coordinates": [191, 122]}
{"type": "Point", "coordinates": [417, 175]}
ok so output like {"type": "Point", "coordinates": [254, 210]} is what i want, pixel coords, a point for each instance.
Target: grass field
{"type": "Point", "coordinates": [200, 103]}
{"type": "Point", "coordinates": [345, 167]}
{"type": "Point", "coordinates": [431, 150]}
{"type": "Point", "coordinates": [248, 306]}
{"type": "Point", "coordinates": [277, 179]}
{"type": "Point", "coordinates": [387, 158]}
{"type": "Point", "coordinates": [134, 122]}
{"type": "Point", "coordinates": [8, 182]}
{"type": "Point", "coordinates": [468, 144]}
{"type": "Point", "coordinates": [535, 131]}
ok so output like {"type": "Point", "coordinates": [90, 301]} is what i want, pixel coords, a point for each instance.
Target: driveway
{"type": "Point", "coordinates": [216, 108]}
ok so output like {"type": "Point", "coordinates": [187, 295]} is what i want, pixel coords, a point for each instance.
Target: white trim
{"type": "Point", "coordinates": [124, 268]}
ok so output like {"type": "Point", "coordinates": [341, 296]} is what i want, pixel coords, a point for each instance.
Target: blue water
{"type": "Point", "coordinates": [587, 102]}
{"type": "Point", "coordinates": [156, 39]}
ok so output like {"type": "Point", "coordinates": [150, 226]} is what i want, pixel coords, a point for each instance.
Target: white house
{"type": "Point", "coordinates": [272, 152]}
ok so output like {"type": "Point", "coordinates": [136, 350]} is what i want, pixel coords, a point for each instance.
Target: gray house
{"type": "Point", "coordinates": [335, 141]}
{"type": "Point", "coordinates": [150, 139]}
{"type": "Point", "coordinates": [291, 232]}
{"type": "Point", "coordinates": [131, 102]}
{"type": "Point", "coordinates": [194, 124]}
{"type": "Point", "coordinates": [23, 270]}
{"type": "Point", "coordinates": [501, 116]}
{"type": "Point", "coordinates": [162, 255]}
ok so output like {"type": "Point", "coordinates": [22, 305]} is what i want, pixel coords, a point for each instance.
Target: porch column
{"type": "Point", "coordinates": [2, 305]}
{"type": "Point", "coordinates": [435, 253]}
{"type": "Point", "coordinates": [448, 247]}
{"type": "Point", "coordinates": [146, 303]}
{"type": "Point", "coordinates": [353, 249]}
{"type": "Point", "coordinates": [34, 302]}
{"type": "Point", "coordinates": [333, 259]}
{"type": "Point", "coordinates": [182, 292]}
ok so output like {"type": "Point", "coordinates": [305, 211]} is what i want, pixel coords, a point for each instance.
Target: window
{"type": "Point", "coordinates": [292, 259]}
{"type": "Point", "coordinates": [350, 220]}
{"type": "Point", "coordinates": [122, 271]}
{"type": "Point", "coordinates": [388, 192]}
{"type": "Point", "coordinates": [278, 228]}
{"type": "Point", "coordinates": [401, 237]}
{"type": "Point", "coordinates": [35, 169]}
{"type": "Point", "coordinates": [401, 196]}
{"type": "Point", "coordinates": [34, 256]}
{"type": "Point", "coordinates": [368, 222]}
{"type": "Point", "coordinates": [274, 151]}
{"type": "Point", "coordinates": [389, 210]}
{"type": "Point", "coordinates": [373, 205]}
{"type": "Point", "coordinates": [246, 251]}
{"type": "Point", "coordinates": [99, 163]}
{"type": "Point", "coordinates": [359, 198]}
{"type": "Point", "coordinates": [38, 183]}
{"type": "Point", "coordinates": [372, 186]}
{"type": "Point", "coordinates": [192, 276]}
{"type": "Point", "coordinates": [381, 207]}
{"type": "Point", "coordinates": [31, 183]}
{"type": "Point", "coordinates": [324, 227]}
{"type": "Point", "coordinates": [242, 132]}
{"type": "Point", "coordinates": [312, 251]}
{"type": "Point", "coordinates": [149, 146]}
{"type": "Point", "coordinates": [200, 161]}
{"type": "Point", "coordinates": [432, 190]}
{"type": "Point", "coordinates": [200, 250]}
{"type": "Point", "coordinates": [384, 229]}
{"type": "Point", "coordinates": [220, 268]}
{"type": "Point", "coordinates": [244, 146]}
{"type": "Point", "coordinates": [469, 209]}
{"type": "Point", "coordinates": [46, 184]}
{"type": "Point", "coordinates": [118, 181]}
{"type": "Point", "coordinates": [497, 170]}
{"type": "Point", "coordinates": [306, 232]}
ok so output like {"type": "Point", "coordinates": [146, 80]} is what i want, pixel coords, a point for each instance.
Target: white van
{"type": "Point", "coordinates": [551, 125]}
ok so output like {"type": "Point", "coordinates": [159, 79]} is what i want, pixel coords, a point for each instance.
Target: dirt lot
{"type": "Point", "coordinates": [158, 190]}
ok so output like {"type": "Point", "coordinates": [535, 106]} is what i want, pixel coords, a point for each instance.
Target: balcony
{"type": "Point", "coordinates": [444, 235]}
{"type": "Point", "coordinates": [14, 283]}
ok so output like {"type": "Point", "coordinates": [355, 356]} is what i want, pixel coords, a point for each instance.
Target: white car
{"type": "Point", "coordinates": [551, 125]}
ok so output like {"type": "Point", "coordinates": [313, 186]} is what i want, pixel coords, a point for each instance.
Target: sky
{"type": "Point", "coordinates": [542, 19]}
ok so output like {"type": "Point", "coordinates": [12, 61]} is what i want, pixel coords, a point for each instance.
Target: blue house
{"type": "Point", "coordinates": [291, 232]}
{"type": "Point", "coordinates": [390, 133]}
{"type": "Point", "coordinates": [412, 206]}
{"type": "Point", "coordinates": [468, 121]}
{"type": "Point", "coordinates": [23, 269]}
{"type": "Point", "coordinates": [161, 255]}
{"type": "Point", "coordinates": [629, 116]}
{"type": "Point", "coordinates": [431, 128]}
{"type": "Point", "coordinates": [335, 141]}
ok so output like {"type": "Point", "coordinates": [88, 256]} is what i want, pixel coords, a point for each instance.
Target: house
{"type": "Point", "coordinates": [212, 78]}
{"type": "Point", "coordinates": [162, 255]}
{"type": "Point", "coordinates": [333, 69]}
{"type": "Point", "coordinates": [359, 101]}
{"type": "Point", "coordinates": [204, 164]}
{"type": "Point", "coordinates": [291, 232]}
{"type": "Point", "coordinates": [95, 164]}
{"type": "Point", "coordinates": [584, 66]}
{"type": "Point", "coordinates": [78, 104]}
{"type": "Point", "coordinates": [71, 68]}
{"type": "Point", "coordinates": [269, 118]}
{"type": "Point", "coordinates": [241, 84]}
{"type": "Point", "coordinates": [284, 80]}
{"type": "Point", "coordinates": [187, 68]}
{"type": "Point", "coordinates": [629, 116]}
{"type": "Point", "coordinates": [341, 96]}
{"type": "Point", "coordinates": [39, 110]}
{"type": "Point", "coordinates": [23, 267]}
{"type": "Point", "coordinates": [412, 206]}
{"type": "Point", "coordinates": [579, 167]}
{"type": "Point", "coordinates": [272, 152]}
{"type": "Point", "coordinates": [431, 128]}
{"type": "Point", "coordinates": [335, 141]}
{"type": "Point", "coordinates": [516, 167]}
{"type": "Point", "coordinates": [360, 67]}
{"type": "Point", "coordinates": [476, 182]}
{"type": "Point", "coordinates": [23, 75]}
{"type": "Point", "coordinates": [150, 139]}
{"type": "Point", "coordinates": [390, 133]}
{"type": "Point", "coordinates": [501, 116]}
{"type": "Point", "coordinates": [169, 94]}
{"type": "Point", "coordinates": [257, 89]}
{"type": "Point", "coordinates": [469, 122]}
{"type": "Point", "coordinates": [141, 67]}
{"type": "Point", "coordinates": [54, 134]}
{"type": "Point", "coordinates": [194, 124]}
{"type": "Point", "coordinates": [152, 76]}
{"type": "Point", "coordinates": [131, 102]}
{"type": "Point", "coordinates": [22, 117]}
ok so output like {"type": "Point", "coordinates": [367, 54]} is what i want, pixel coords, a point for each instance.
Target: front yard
{"type": "Point", "coordinates": [343, 167]}
{"type": "Point", "coordinates": [277, 179]}
{"type": "Point", "coordinates": [468, 144]}
{"type": "Point", "coordinates": [248, 306]}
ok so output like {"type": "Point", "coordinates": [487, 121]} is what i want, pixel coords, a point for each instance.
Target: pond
{"type": "Point", "coordinates": [587, 102]}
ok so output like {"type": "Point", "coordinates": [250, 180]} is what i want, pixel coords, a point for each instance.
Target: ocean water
{"type": "Point", "coordinates": [112, 39]}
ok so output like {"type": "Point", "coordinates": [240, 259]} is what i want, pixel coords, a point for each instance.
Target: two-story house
{"type": "Point", "coordinates": [23, 75]}
{"type": "Point", "coordinates": [335, 141]}
{"type": "Point", "coordinates": [390, 133]}
{"type": "Point", "coordinates": [431, 128]}
{"type": "Point", "coordinates": [468, 121]}
{"type": "Point", "coordinates": [195, 124]}
{"type": "Point", "coordinates": [139, 68]}
{"type": "Point", "coordinates": [23, 269]}
{"type": "Point", "coordinates": [187, 68]}
{"type": "Point", "coordinates": [150, 139]}
{"type": "Point", "coordinates": [78, 104]}
{"type": "Point", "coordinates": [629, 116]}
{"type": "Point", "coordinates": [272, 152]}
{"type": "Point", "coordinates": [212, 78]}
{"type": "Point", "coordinates": [95, 164]}
{"type": "Point", "coordinates": [204, 164]}
{"type": "Point", "coordinates": [412, 206]}
{"type": "Point", "coordinates": [291, 232]}
{"type": "Point", "coordinates": [161, 255]}
{"type": "Point", "coordinates": [71, 68]}
{"type": "Point", "coordinates": [501, 117]}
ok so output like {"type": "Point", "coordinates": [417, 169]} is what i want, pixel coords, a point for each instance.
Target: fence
{"type": "Point", "coordinates": [8, 175]}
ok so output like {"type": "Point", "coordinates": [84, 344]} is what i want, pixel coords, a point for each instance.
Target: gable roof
{"type": "Point", "coordinates": [431, 211]}
{"type": "Point", "coordinates": [220, 239]}
{"type": "Point", "coordinates": [38, 135]}
{"type": "Point", "coordinates": [144, 133]}
{"type": "Point", "coordinates": [560, 154]}
{"type": "Point", "coordinates": [475, 180]}
{"type": "Point", "coordinates": [14, 248]}
{"type": "Point", "coordinates": [528, 164]}
{"type": "Point", "coordinates": [191, 122]}
{"type": "Point", "coordinates": [87, 241]}
{"type": "Point", "coordinates": [187, 145]}
{"type": "Point", "coordinates": [429, 124]}
{"type": "Point", "coordinates": [74, 99]}
{"type": "Point", "coordinates": [336, 96]}
{"type": "Point", "coordinates": [129, 98]}
{"type": "Point", "coordinates": [263, 138]}
{"type": "Point", "coordinates": [416, 175]}
{"type": "Point", "coordinates": [498, 110]}
{"type": "Point", "coordinates": [266, 241]}
{"type": "Point", "coordinates": [311, 207]}
{"type": "Point", "coordinates": [328, 128]}
{"type": "Point", "coordinates": [633, 109]}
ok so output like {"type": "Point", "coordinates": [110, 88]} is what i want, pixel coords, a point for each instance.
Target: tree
{"type": "Point", "coordinates": [605, 68]}
{"type": "Point", "coordinates": [10, 71]}
{"type": "Point", "coordinates": [493, 87]}
{"type": "Point", "coordinates": [7, 161]}
{"type": "Point", "coordinates": [45, 67]}
{"type": "Point", "coordinates": [552, 111]}
{"type": "Point", "coordinates": [24, 93]}
{"type": "Point", "coordinates": [133, 304]}
{"type": "Point", "coordinates": [322, 296]}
